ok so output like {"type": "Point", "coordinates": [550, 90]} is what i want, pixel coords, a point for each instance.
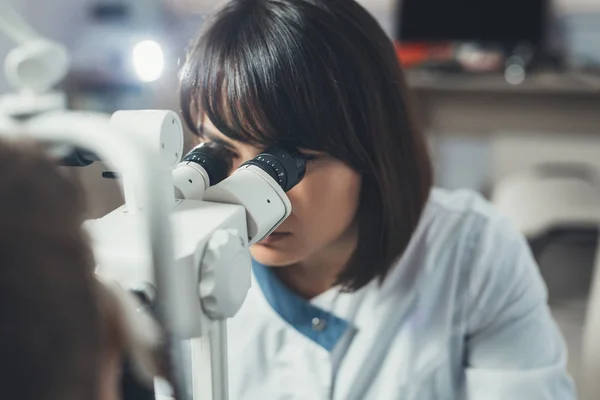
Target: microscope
{"type": "Point", "coordinates": [215, 216]}
{"type": "Point", "coordinates": [177, 252]}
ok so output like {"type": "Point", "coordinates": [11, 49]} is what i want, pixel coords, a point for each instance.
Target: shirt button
{"type": "Point", "coordinates": [318, 324]}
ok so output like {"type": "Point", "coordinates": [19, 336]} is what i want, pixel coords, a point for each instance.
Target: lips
{"type": "Point", "coordinates": [275, 237]}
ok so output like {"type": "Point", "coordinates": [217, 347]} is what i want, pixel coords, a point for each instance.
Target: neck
{"type": "Point", "coordinates": [319, 273]}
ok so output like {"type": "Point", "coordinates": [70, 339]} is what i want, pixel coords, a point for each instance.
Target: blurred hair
{"type": "Point", "coordinates": [51, 333]}
{"type": "Point", "coordinates": [321, 75]}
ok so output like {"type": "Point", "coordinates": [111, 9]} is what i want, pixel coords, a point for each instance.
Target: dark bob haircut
{"type": "Point", "coordinates": [320, 75]}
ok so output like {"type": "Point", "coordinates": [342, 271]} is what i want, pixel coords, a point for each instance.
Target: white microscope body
{"type": "Point", "coordinates": [176, 237]}
{"type": "Point", "coordinates": [212, 227]}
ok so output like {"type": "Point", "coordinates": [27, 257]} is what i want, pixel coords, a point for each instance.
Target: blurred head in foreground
{"type": "Point", "coordinates": [59, 339]}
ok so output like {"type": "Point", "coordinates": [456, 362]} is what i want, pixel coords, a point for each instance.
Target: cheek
{"type": "Point", "coordinates": [326, 201]}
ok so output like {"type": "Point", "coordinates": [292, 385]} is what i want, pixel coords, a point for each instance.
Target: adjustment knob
{"type": "Point", "coordinates": [224, 274]}
{"type": "Point", "coordinates": [286, 167]}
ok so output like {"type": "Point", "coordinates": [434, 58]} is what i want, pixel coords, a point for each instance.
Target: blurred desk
{"type": "Point", "coordinates": [483, 104]}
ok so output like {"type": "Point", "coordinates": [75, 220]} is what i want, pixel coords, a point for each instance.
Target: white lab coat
{"type": "Point", "coordinates": [463, 315]}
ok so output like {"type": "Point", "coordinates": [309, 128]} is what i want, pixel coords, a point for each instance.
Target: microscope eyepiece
{"type": "Point", "coordinates": [213, 158]}
{"type": "Point", "coordinates": [286, 167]}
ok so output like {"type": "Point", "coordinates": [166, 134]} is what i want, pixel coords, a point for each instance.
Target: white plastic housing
{"type": "Point", "coordinates": [190, 181]}
{"type": "Point", "coordinates": [122, 255]}
{"type": "Point", "coordinates": [24, 105]}
{"type": "Point", "coordinates": [225, 274]}
{"type": "Point", "coordinates": [266, 204]}
{"type": "Point", "coordinates": [161, 129]}
{"type": "Point", "coordinates": [37, 65]}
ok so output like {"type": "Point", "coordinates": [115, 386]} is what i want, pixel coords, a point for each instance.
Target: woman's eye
{"type": "Point", "coordinates": [226, 150]}
{"type": "Point", "coordinates": [311, 156]}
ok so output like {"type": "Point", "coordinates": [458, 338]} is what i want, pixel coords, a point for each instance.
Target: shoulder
{"type": "Point", "coordinates": [465, 219]}
{"type": "Point", "coordinates": [463, 241]}
{"type": "Point", "coordinates": [462, 203]}
{"type": "Point", "coordinates": [467, 250]}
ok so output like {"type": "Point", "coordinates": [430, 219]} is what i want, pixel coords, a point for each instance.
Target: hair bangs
{"type": "Point", "coordinates": [251, 81]}
{"type": "Point", "coordinates": [224, 82]}
{"type": "Point", "coordinates": [215, 88]}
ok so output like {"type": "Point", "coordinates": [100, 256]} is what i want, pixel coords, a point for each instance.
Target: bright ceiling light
{"type": "Point", "coordinates": [148, 60]}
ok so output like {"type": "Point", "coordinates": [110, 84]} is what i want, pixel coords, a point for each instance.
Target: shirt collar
{"type": "Point", "coordinates": [318, 325]}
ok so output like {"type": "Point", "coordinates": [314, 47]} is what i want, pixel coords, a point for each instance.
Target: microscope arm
{"type": "Point", "coordinates": [14, 26]}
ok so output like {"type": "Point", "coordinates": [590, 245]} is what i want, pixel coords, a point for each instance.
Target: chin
{"type": "Point", "coordinates": [273, 257]}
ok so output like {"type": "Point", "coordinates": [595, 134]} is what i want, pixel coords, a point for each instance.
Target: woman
{"type": "Point", "coordinates": [377, 286]}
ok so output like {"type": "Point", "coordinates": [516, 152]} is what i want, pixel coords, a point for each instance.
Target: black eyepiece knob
{"type": "Point", "coordinates": [213, 158]}
{"type": "Point", "coordinates": [286, 167]}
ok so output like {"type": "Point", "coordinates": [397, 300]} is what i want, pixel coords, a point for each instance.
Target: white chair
{"type": "Point", "coordinates": [590, 375]}
{"type": "Point", "coordinates": [546, 182]}
{"type": "Point", "coordinates": [552, 196]}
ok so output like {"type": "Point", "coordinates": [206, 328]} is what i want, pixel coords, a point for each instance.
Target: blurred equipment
{"type": "Point", "coordinates": [36, 64]}
{"type": "Point", "coordinates": [511, 32]}
{"type": "Point", "coordinates": [581, 32]}
{"type": "Point", "coordinates": [214, 219]}
{"type": "Point", "coordinates": [121, 57]}
{"type": "Point", "coordinates": [32, 68]}
{"type": "Point", "coordinates": [550, 188]}
{"type": "Point", "coordinates": [121, 45]}
{"type": "Point", "coordinates": [507, 22]}
{"type": "Point", "coordinates": [590, 343]}
{"type": "Point", "coordinates": [550, 199]}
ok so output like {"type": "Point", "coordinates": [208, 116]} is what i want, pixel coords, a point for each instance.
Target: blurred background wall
{"type": "Point", "coordinates": [461, 158]}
